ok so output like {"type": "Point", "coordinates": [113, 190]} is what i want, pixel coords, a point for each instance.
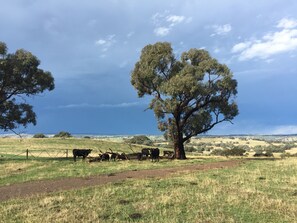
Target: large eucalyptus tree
{"type": "Point", "coordinates": [20, 78]}
{"type": "Point", "coordinates": [190, 95]}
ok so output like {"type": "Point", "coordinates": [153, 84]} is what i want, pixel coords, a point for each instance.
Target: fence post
{"type": "Point", "coordinates": [66, 153]}
{"type": "Point", "coordinates": [27, 153]}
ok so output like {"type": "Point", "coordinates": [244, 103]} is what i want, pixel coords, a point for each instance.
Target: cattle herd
{"type": "Point", "coordinates": [145, 153]}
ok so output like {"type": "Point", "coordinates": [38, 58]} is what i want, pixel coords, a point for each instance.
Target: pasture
{"type": "Point", "coordinates": [255, 191]}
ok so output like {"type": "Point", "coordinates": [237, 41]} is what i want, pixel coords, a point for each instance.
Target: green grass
{"type": "Point", "coordinates": [52, 145]}
{"type": "Point", "coordinates": [257, 191]}
{"type": "Point", "coordinates": [16, 169]}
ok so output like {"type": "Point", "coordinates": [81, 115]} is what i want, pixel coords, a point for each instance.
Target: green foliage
{"type": "Point", "coordinates": [265, 153]}
{"type": "Point", "coordinates": [141, 139]}
{"type": "Point", "coordinates": [236, 151]}
{"type": "Point", "coordinates": [20, 77]}
{"type": "Point", "coordinates": [63, 134]}
{"type": "Point", "coordinates": [190, 95]}
{"type": "Point", "coordinates": [190, 149]}
{"type": "Point", "coordinates": [39, 135]}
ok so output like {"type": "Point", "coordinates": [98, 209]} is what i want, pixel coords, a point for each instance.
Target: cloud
{"type": "Point", "coordinates": [101, 42]}
{"type": "Point", "coordinates": [287, 23]}
{"type": "Point", "coordinates": [240, 47]}
{"type": "Point", "coordinates": [221, 30]}
{"type": "Point", "coordinates": [164, 22]}
{"type": "Point", "coordinates": [162, 31]}
{"type": "Point", "coordinates": [106, 43]}
{"type": "Point", "coordinates": [270, 44]}
{"type": "Point", "coordinates": [174, 19]}
{"type": "Point", "coordinates": [130, 34]}
{"type": "Point", "coordinates": [86, 105]}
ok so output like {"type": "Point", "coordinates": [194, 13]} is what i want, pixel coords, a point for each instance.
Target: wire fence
{"type": "Point", "coordinates": [29, 154]}
{"type": "Point", "coordinates": [42, 154]}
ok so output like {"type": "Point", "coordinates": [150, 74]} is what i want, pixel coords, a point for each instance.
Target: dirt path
{"type": "Point", "coordinates": [47, 186]}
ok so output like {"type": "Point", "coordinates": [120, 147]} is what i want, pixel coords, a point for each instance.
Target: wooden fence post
{"type": "Point", "coordinates": [66, 153]}
{"type": "Point", "coordinates": [27, 153]}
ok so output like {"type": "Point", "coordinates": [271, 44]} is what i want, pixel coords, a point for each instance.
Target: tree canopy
{"type": "Point", "coordinates": [20, 77]}
{"type": "Point", "coordinates": [190, 95]}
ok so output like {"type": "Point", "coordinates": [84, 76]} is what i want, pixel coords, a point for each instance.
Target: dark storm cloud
{"type": "Point", "coordinates": [91, 47]}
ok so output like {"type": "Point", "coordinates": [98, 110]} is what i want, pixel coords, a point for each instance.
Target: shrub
{"type": "Point", "coordinates": [288, 146]}
{"type": "Point", "coordinates": [190, 149]}
{"type": "Point", "coordinates": [263, 153]}
{"type": "Point", "coordinates": [141, 139]}
{"type": "Point", "coordinates": [217, 152]}
{"type": "Point", "coordinates": [200, 149]}
{"type": "Point", "coordinates": [39, 135]}
{"type": "Point", "coordinates": [63, 135]}
{"type": "Point", "coordinates": [268, 154]}
{"type": "Point", "coordinates": [229, 152]}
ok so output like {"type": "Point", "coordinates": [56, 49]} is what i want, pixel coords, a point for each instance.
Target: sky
{"type": "Point", "coordinates": [91, 47]}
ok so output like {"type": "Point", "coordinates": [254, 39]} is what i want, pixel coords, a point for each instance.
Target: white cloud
{"type": "Point", "coordinates": [221, 29]}
{"type": "Point", "coordinates": [270, 44]}
{"type": "Point", "coordinates": [287, 23]}
{"type": "Point", "coordinates": [100, 42]}
{"type": "Point", "coordinates": [130, 34]}
{"type": "Point", "coordinates": [106, 43]}
{"type": "Point", "coordinates": [162, 31]}
{"type": "Point", "coordinates": [86, 105]}
{"type": "Point", "coordinates": [240, 47]}
{"type": "Point", "coordinates": [164, 23]}
{"type": "Point", "coordinates": [174, 19]}
{"type": "Point", "coordinates": [216, 50]}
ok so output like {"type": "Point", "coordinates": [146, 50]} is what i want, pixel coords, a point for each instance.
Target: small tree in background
{"type": "Point", "coordinates": [189, 96]}
{"type": "Point", "coordinates": [39, 135]}
{"type": "Point", "coordinates": [20, 77]}
{"type": "Point", "coordinates": [141, 139]}
{"type": "Point", "coordinates": [63, 134]}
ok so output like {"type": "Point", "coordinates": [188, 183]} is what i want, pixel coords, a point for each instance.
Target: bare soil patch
{"type": "Point", "coordinates": [47, 186]}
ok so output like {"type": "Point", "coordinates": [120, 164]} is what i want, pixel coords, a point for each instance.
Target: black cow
{"type": "Point", "coordinates": [146, 152]}
{"type": "Point", "coordinates": [104, 157]}
{"type": "Point", "coordinates": [122, 156]}
{"type": "Point", "coordinates": [168, 153]}
{"type": "Point", "coordinates": [113, 156]}
{"type": "Point", "coordinates": [81, 152]}
{"type": "Point", "coordinates": [155, 153]}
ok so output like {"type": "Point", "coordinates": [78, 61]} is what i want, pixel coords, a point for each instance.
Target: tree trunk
{"type": "Point", "coordinates": [179, 150]}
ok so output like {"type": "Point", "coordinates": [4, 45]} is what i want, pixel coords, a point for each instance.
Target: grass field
{"type": "Point", "coordinates": [257, 191]}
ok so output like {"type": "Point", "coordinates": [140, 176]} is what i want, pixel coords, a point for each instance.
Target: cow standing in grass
{"type": "Point", "coordinates": [146, 152]}
{"type": "Point", "coordinates": [168, 153]}
{"type": "Point", "coordinates": [155, 154]}
{"type": "Point", "coordinates": [80, 152]}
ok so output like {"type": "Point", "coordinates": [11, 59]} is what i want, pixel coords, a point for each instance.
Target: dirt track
{"type": "Point", "coordinates": [47, 186]}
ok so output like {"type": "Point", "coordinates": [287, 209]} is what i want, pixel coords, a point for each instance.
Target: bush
{"type": "Point", "coordinates": [200, 149]}
{"type": "Point", "coordinates": [229, 152]}
{"type": "Point", "coordinates": [190, 149]}
{"type": "Point", "coordinates": [63, 135]}
{"type": "Point", "coordinates": [237, 151]}
{"type": "Point", "coordinates": [263, 153]}
{"type": "Point", "coordinates": [39, 135]}
{"type": "Point", "coordinates": [141, 139]}
{"type": "Point", "coordinates": [217, 152]}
